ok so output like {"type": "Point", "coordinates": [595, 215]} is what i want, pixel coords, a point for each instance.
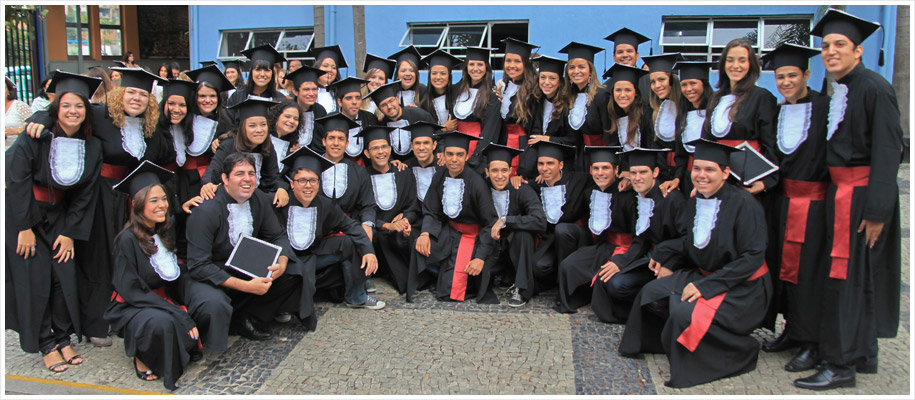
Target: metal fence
{"type": "Point", "coordinates": [22, 58]}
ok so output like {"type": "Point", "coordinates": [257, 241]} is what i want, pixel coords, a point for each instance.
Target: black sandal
{"type": "Point", "coordinates": [54, 368]}
{"type": "Point", "coordinates": [145, 375]}
{"type": "Point", "coordinates": [75, 360]}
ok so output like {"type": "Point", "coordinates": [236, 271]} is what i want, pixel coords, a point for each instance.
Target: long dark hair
{"type": "Point", "coordinates": [187, 124]}
{"type": "Point", "coordinates": [220, 100]}
{"type": "Point", "coordinates": [744, 87]}
{"type": "Point", "coordinates": [427, 102]}
{"type": "Point", "coordinates": [137, 224]}
{"type": "Point", "coordinates": [54, 111]}
{"type": "Point", "coordinates": [684, 105]}
{"type": "Point", "coordinates": [243, 145]}
{"type": "Point", "coordinates": [270, 92]}
{"type": "Point", "coordinates": [560, 101]}
{"type": "Point", "coordinates": [168, 71]}
{"type": "Point", "coordinates": [273, 115]}
{"type": "Point", "coordinates": [634, 115]}
{"type": "Point", "coordinates": [529, 86]}
{"type": "Point", "coordinates": [483, 95]}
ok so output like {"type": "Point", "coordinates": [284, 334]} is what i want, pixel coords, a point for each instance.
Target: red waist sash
{"type": "Point", "coordinates": [472, 129]}
{"type": "Point", "coordinates": [171, 167]}
{"type": "Point", "coordinates": [593, 140]}
{"type": "Point", "coordinates": [515, 133]}
{"type": "Point", "coordinates": [469, 234]}
{"type": "Point", "coordinates": [704, 313]}
{"type": "Point", "coordinates": [846, 180]}
{"type": "Point", "coordinates": [46, 195]}
{"type": "Point", "coordinates": [114, 171]}
{"type": "Point", "coordinates": [670, 159]}
{"type": "Point", "coordinates": [799, 194]}
{"type": "Point", "coordinates": [200, 163]}
{"type": "Point", "coordinates": [622, 241]}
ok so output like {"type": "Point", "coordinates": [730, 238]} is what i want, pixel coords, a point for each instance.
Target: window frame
{"type": "Point", "coordinates": [442, 43]}
{"type": "Point", "coordinates": [282, 35]}
{"type": "Point", "coordinates": [85, 26]}
{"type": "Point", "coordinates": [118, 27]}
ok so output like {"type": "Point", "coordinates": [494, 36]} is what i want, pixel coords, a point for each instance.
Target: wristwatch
{"type": "Point", "coordinates": [503, 219]}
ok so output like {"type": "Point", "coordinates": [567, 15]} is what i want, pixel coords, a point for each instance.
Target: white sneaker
{"type": "Point", "coordinates": [370, 302]}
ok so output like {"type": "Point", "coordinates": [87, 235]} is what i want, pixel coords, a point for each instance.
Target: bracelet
{"type": "Point", "coordinates": [424, 234]}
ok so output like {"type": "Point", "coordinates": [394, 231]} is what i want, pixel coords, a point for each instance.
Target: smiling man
{"type": "Point", "coordinates": [626, 52]}
{"type": "Point", "coordinates": [305, 90]}
{"type": "Point", "coordinates": [399, 117]}
{"type": "Point", "coordinates": [348, 94]}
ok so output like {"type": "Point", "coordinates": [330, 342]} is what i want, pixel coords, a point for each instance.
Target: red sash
{"type": "Point", "coordinates": [846, 180]}
{"type": "Point", "coordinates": [733, 143]}
{"type": "Point", "coordinates": [200, 163]}
{"type": "Point", "coordinates": [359, 160]}
{"type": "Point", "coordinates": [622, 241]}
{"type": "Point", "coordinates": [799, 194]}
{"type": "Point", "coordinates": [670, 159]}
{"type": "Point", "coordinates": [114, 171]}
{"type": "Point", "coordinates": [469, 234]}
{"type": "Point", "coordinates": [514, 132]}
{"type": "Point", "coordinates": [472, 129]}
{"type": "Point", "coordinates": [171, 167]}
{"type": "Point", "coordinates": [704, 313]}
{"type": "Point", "coordinates": [46, 195]}
{"type": "Point", "coordinates": [593, 140]}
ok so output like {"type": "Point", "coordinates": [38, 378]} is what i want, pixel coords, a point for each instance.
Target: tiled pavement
{"type": "Point", "coordinates": [430, 347]}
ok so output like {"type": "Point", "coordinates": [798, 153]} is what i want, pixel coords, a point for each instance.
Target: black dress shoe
{"type": "Point", "coordinates": [779, 344]}
{"type": "Point", "coordinates": [805, 360]}
{"type": "Point", "coordinates": [826, 379]}
{"type": "Point", "coordinates": [245, 328]}
{"type": "Point", "coordinates": [866, 366]}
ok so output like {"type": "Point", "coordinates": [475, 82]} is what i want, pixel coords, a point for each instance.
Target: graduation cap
{"type": "Point", "coordinates": [234, 63]}
{"type": "Point", "coordinates": [456, 139]}
{"type": "Point", "coordinates": [207, 63]}
{"type": "Point", "coordinates": [550, 64]}
{"type": "Point", "coordinates": [64, 82]}
{"type": "Point", "coordinates": [147, 174]}
{"type": "Point", "coordinates": [120, 63]}
{"type": "Point", "coordinates": [713, 151]}
{"type": "Point", "coordinates": [476, 53]}
{"type": "Point", "coordinates": [137, 78]}
{"type": "Point", "coordinates": [662, 62]}
{"type": "Point", "coordinates": [621, 72]}
{"type": "Point", "coordinates": [792, 55]}
{"type": "Point", "coordinates": [498, 152]}
{"type": "Point", "coordinates": [627, 36]}
{"type": "Point", "coordinates": [638, 157]}
{"type": "Point", "coordinates": [423, 129]}
{"type": "Point", "coordinates": [408, 53]}
{"type": "Point", "coordinates": [373, 61]}
{"type": "Point", "coordinates": [265, 53]}
{"type": "Point", "coordinates": [850, 26]}
{"type": "Point", "coordinates": [515, 46]}
{"type": "Point", "coordinates": [376, 132]}
{"type": "Point", "coordinates": [581, 50]}
{"type": "Point", "coordinates": [602, 154]}
{"type": "Point", "coordinates": [384, 92]}
{"type": "Point", "coordinates": [442, 58]}
{"type": "Point", "coordinates": [212, 75]}
{"type": "Point", "coordinates": [348, 85]}
{"type": "Point", "coordinates": [337, 122]}
{"type": "Point", "coordinates": [178, 87]}
{"type": "Point", "coordinates": [253, 106]}
{"type": "Point", "coordinates": [333, 52]}
{"type": "Point", "coordinates": [748, 165]}
{"type": "Point", "coordinates": [553, 150]}
{"type": "Point", "coordinates": [693, 69]}
{"type": "Point", "coordinates": [308, 159]}
{"type": "Point", "coordinates": [304, 74]}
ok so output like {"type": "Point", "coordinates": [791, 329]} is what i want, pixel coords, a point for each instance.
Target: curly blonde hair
{"type": "Point", "coordinates": [116, 111]}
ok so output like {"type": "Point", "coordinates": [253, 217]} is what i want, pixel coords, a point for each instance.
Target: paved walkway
{"type": "Point", "coordinates": [430, 347]}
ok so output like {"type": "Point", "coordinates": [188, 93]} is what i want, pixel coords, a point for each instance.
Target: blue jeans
{"type": "Point", "coordinates": [353, 294]}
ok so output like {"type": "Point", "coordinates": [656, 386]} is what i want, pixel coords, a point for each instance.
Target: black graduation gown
{"type": "Point", "coordinates": [268, 172]}
{"type": "Point", "coordinates": [29, 292]}
{"type": "Point", "coordinates": [310, 238]}
{"type": "Point", "coordinates": [656, 222]}
{"type": "Point", "coordinates": [199, 154]}
{"type": "Point", "coordinates": [474, 207]}
{"type": "Point", "coordinates": [416, 94]}
{"type": "Point", "coordinates": [400, 139]}
{"type": "Point", "coordinates": [154, 329]}
{"type": "Point", "coordinates": [355, 145]}
{"type": "Point", "coordinates": [209, 246]}
{"type": "Point", "coordinates": [510, 121]}
{"type": "Point", "coordinates": [591, 128]}
{"type": "Point", "coordinates": [311, 133]}
{"type": "Point", "coordinates": [643, 139]}
{"type": "Point", "coordinates": [729, 243]}
{"type": "Point", "coordinates": [489, 125]}
{"type": "Point", "coordinates": [554, 128]}
{"type": "Point", "coordinates": [241, 93]}
{"type": "Point", "coordinates": [865, 305]}
{"type": "Point", "coordinates": [683, 153]}
{"type": "Point", "coordinates": [422, 176]}
{"type": "Point", "coordinates": [608, 230]}
{"type": "Point", "coordinates": [395, 193]}
{"type": "Point", "coordinates": [348, 185]}
{"type": "Point", "coordinates": [524, 220]}
{"type": "Point", "coordinates": [664, 127]}
{"type": "Point", "coordinates": [563, 205]}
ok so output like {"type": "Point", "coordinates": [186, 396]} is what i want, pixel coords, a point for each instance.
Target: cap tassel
{"type": "Point", "coordinates": [882, 41]}
{"type": "Point", "coordinates": [650, 47]}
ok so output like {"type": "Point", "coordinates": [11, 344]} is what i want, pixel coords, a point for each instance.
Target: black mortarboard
{"type": "Point", "coordinates": [476, 53]}
{"type": "Point", "coordinates": [304, 74]}
{"type": "Point", "coordinates": [64, 82]}
{"type": "Point", "coordinates": [456, 139]}
{"type": "Point", "coordinates": [179, 87]}
{"type": "Point", "coordinates": [337, 122]}
{"type": "Point", "coordinates": [602, 154]}
{"type": "Point", "coordinates": [375, 132]}
{"type": "Point", "coordinates": [581, 50]}
{"type": "Point", "coordinates": [234, 63]}
{"type": "Point", "coordinates": [790, 54]}
{"type": "Point", "coordinates": [553, 150]}
{"type": "Point", "coordinates": [253, 106]}
{"type": "Point", "coordinates": [383, 92]}
{"type": "Point", "coordinates": [146, 174]}
{"type": "Point", "coordinates": [348, 85]}
{"type": "Point", "coordinates": [440, 57]}
{"type": "Point", "coordinates": [212, 75]}
{"type": "Point", "coordinates": [137, 78]}
{"type": "Point", "coordinates": [515, 46]}
{"type": "Point", "coordinates": [627, 73]}
{"type": "Point", "coordinates": [333, 52]}
{"type": "Point", "coordinates": [852, 27]}
{"type": "Point", "coordinates": [265, 53]}
{"type": "Point", "coordinates": [306, 158]}
{"type": "Point", "coordinates": [498, 152]}
{"type": "Point", "coordinates": [643, 157]}
{"type": "Point", "coordinates": [424, 128]}
{"type": "Point", "coordinates": [408, 53]}
{"type": "Point", "coordinates": [207, 63]}
{"type": "Point", "coordinates": [373, 61]}
{"type": "Point", "coordinates": [709, 150]}
{"type": "Point", "coordinates": [662, 62]}
{"type": "Point", "coordinates": [693, 69]}
{"type": "Point", "coordinates": [550, 64]}
{"type": "Point", "coordinates": [627, 36]}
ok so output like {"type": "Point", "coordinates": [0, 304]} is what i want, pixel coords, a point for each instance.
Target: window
{"type": "Point", "coordinates": [454, 36]}
{"type": "Point", "coordinates": [704, 38]}
{"type": "Point", "coordinates": [78, 35]}
{"type": "Point", "coordinates": [109, 18]}
{"type": "Point", "coordinates": [291, 42]}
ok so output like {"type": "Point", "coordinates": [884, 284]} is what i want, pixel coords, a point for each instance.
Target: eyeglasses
{"type": "Point", "coordinates": [380, 147]}
{"type": "Point", "coordinates": [304, 181]}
